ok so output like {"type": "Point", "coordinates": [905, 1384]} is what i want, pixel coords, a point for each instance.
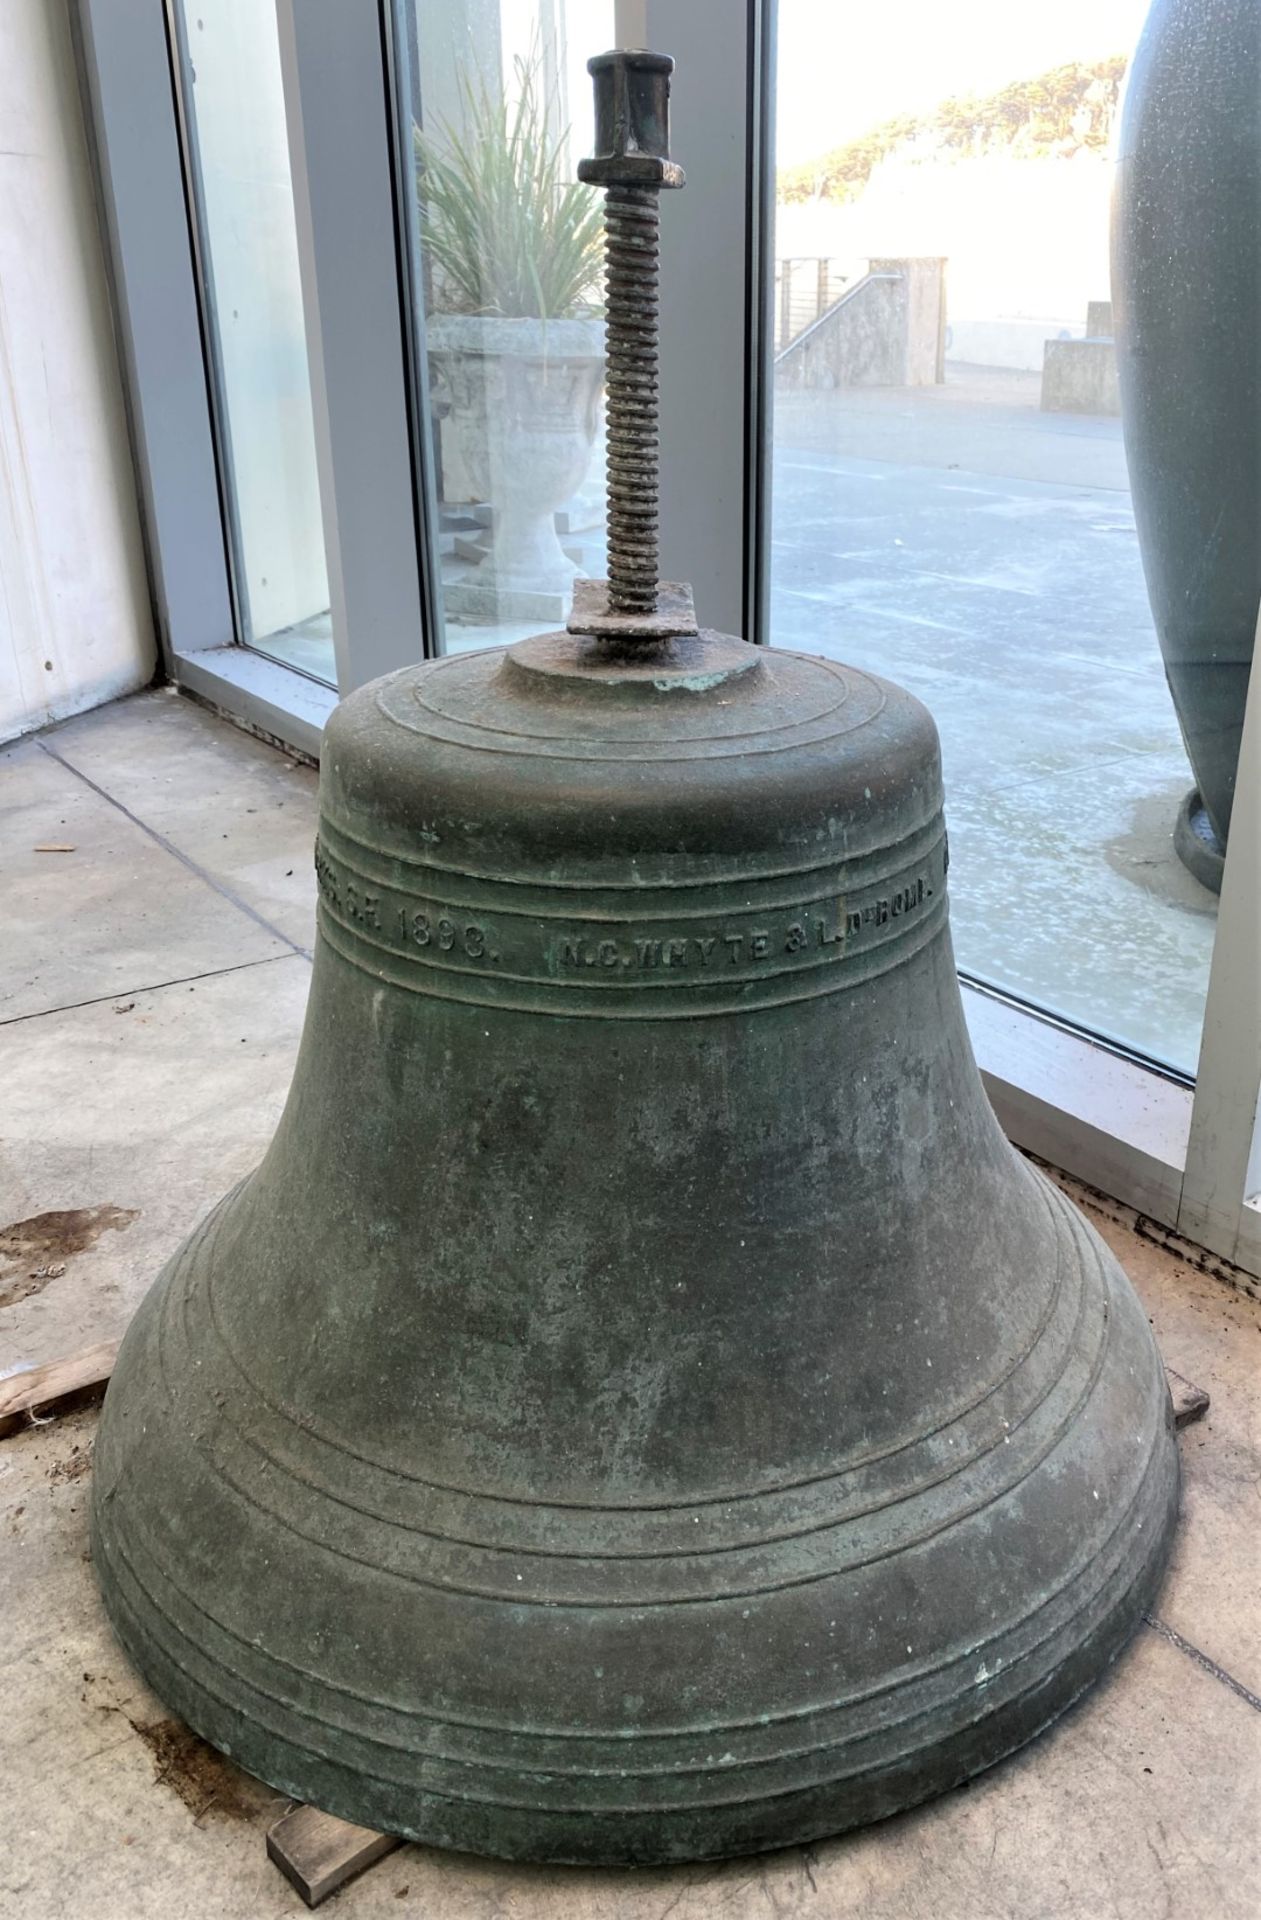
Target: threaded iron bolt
{"type": "Point", "coordinates": [632, 163]}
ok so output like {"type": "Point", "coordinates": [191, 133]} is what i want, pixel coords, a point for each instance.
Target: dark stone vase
{"type": "Point", "coordinates": [1186, 288]}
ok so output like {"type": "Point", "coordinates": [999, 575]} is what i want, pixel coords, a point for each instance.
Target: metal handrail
{"type": "Point", "coordinates": [799, 339]}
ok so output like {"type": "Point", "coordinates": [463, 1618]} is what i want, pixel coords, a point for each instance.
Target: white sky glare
{"type": "Point", "coordinates": [843, 67]}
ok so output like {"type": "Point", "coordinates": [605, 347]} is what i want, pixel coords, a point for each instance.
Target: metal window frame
{"type": "Point", "coordinates": [337, 61]}
{"type": "Point", "coordinates": [1185, 1157]}
{"type": "Point", "coordinates": [183, 100]}
{"type": "Point", "coordinates": [127, 71]}
{"type": "Point", "coordinates": [1221, 1180]}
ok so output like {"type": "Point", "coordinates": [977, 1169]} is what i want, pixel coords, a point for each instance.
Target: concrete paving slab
{"type": "Point", "coordinates": [154, 1112]}
{"type": "Point", "coordinates": [984, 419]}
{"type": "Point", "coordinates": [87, 1820]}
{"type": "Point", "coordinates": [116, 915]}
{"type": "Point", "coordinates": [243, 812]}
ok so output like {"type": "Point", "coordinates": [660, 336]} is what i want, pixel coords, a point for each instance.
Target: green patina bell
{"type": "Point", "coordinates": [641, 1408]}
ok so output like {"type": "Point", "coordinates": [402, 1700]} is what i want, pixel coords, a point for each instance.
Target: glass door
{"type": "Point", "coordinates": [506, 255]}
{"type": "Point", "coordinates": [951, 501]}
{"type": "Point", "coordinates": [229, 87]}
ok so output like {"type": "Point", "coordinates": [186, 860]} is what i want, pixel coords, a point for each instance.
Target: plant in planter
{"type": "Point", "coordinates": [517, 345]}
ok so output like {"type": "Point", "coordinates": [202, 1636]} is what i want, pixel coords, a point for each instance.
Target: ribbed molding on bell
{"type": "Point", "coordinates": [349, 1560]}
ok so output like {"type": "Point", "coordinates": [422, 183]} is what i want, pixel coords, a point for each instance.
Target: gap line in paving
{"type": "Point", "coordinates": [1202, 1659]}
{"type": "Point", "coordinates": [155, 986]}
{"type": "Point", "coordinates": [168, 846]}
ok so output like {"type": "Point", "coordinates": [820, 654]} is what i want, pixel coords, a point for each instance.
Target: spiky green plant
{"type": "Point", "coordinates": [509, 234]}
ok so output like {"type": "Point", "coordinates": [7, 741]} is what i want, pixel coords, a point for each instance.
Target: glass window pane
{"type": "Point", "coordinates": [952, 505]}
{"type": "Point", "coordinates": [511, 255]}
{"type": "Point", "coordinates": [234, 105]}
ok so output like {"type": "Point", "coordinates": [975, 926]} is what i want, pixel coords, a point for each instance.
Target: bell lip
{"type": "Point", "coordinates": [967, 1729]}
{"type": "Point", "coordinates": [622, 1839]}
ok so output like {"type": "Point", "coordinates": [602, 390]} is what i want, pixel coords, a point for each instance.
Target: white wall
{"type": "Point", "coordinates": [75, 625]}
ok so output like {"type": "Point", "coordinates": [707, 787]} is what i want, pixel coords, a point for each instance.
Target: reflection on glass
{"type": "Point", "coordinates": [244, 200]}
{"type": "Point", "coordinates": [511, 258]}
{"type": "Point", "coordinates": [950, 496]}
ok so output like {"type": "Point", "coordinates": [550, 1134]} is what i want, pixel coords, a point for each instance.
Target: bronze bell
{"type": "Point", "coordinates": [641, 1408]}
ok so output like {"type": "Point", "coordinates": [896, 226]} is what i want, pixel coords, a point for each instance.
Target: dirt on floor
{"type": "Point", "coordinates": [40, 1246]}
{"type": "Point", "coordinates": [208, 1784]}
{"type": "Point", "coordinates": [77, 1462]}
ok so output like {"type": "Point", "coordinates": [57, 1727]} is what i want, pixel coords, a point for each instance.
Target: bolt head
{"type": "Point", "coordinates": [632, 121]}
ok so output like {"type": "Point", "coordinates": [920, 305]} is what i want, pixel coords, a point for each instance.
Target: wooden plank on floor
{"type": "Point", "coordinates": [1189, 1401]}
{"type": "Point", "coordinates": [318, 1853]}
{"type": "Point", "coordinates": [43, 1391]}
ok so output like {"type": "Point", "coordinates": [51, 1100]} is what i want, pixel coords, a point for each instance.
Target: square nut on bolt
{"type": "Point", "coordinates": [632, 121]}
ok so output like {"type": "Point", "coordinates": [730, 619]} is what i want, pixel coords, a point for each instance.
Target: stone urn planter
{"type": "Point", "coordinates": [1186, 267]}
{"type": "Point", "coordinates": [523, 399]}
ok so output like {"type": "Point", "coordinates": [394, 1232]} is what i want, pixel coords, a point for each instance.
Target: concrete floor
{"type": "Point", "coordinates": [152, 984]}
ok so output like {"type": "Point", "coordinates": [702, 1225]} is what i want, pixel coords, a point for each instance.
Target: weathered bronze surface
{"type": "Point", "coordinates": [641, 1408]}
